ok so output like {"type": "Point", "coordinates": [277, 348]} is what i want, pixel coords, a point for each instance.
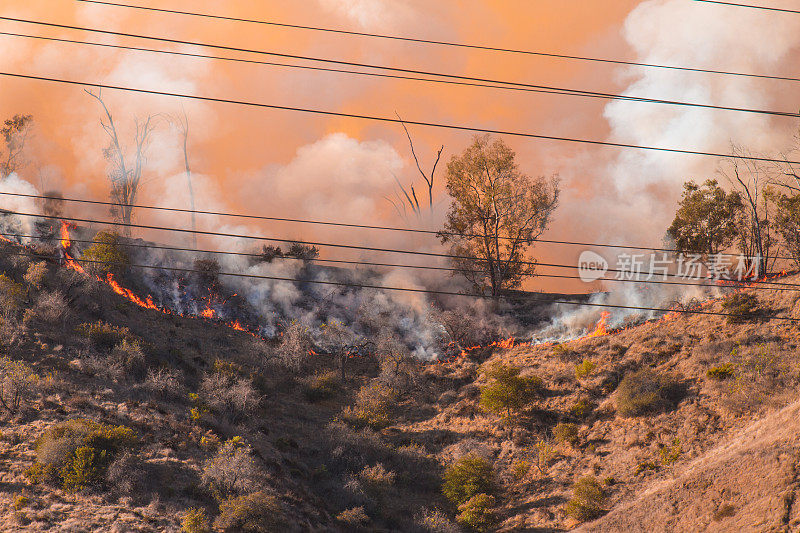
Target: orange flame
{"type": "Point", "coordinates": [207, 313]}
{"type": "Point", "coordinates": [601, 330]}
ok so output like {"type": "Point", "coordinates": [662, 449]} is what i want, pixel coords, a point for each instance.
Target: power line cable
{"type": "Point", "coordinates": [398, 121]}
{"type": "Point", "coordinates": [345, 225]}
{"type": "Point", "coordinates": [323, 244]}
{"type": "Point", "coordinates": [525, 297]}
{"type": "Point", "coordinates": [733, 4]}
{"type": "Point", "coordinates": [725, 284]}
{"type": "Point", "coordinates": [572, 92]}
{"type": "Point", "coordinates": [445, 43]}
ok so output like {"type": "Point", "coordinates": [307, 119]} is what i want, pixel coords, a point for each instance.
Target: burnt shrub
{"type": "Point", "coordinates": [588, 498]}
{"type": "Point", "coordinates": [469, 476]}
{"type": "Point", "coordinates": [232, 471]}
{"type": "Point", "coordinates": [234, 398]}
{"type": "Point", "coordinates": [51, 307]}
{"type": "Point", "coordinates": [646, 391]}
{"type": "Point", "coordinates": [741, 307]}
{"type": "Point", "coordinates": [373, 407]}
{"type": "Point", "coordinates": [103, 335]}
{"type": "Point", "coordinates": [257, 512]}
{"type": "Point", "coordinates": [12, 294]}
{"type": "Point", "coordinates": [76, 454]}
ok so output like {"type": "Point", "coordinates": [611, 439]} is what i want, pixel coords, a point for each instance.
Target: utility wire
{"type": "Point", "coordinates": [445, 43]}
{"type": "Point", "coordinates": [572, 92]}
{"type": "Point", "coordinates": [397, 120]}
{"type": "Point", "coordinates": [734, 4]}
{"type": "Point", "coordinates": [302, 67]}
{"type": "Point", "coordinates": [725, 284]}
{"type": "Point", "coordinates": [347, 225]}
{"type": "Point", "coordinates": [520, 297]}
{"type": "Point", "coordinates": [325, 244]}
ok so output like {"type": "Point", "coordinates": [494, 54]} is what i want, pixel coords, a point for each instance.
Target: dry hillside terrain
{"type": "Point", "coordinates": [119, 418]}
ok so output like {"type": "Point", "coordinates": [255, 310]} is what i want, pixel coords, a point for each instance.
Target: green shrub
{"type": "Point", "coordinates": [670, 454]}
{"type": "Point", "coordinates": [76, 453]}
{"type": "Point", "coordinates": [195, 521]}
{"type": "Point", "coordinates": [469, 476]}
{"type": "Point", "coordinates": [520, 469]}
{"type": "Point", "coordinates": [740, 306]}
{"type": "Point", "coordinates": [106, 254]}
{"type": "Point", "coordinates": [354, 516]}
{"type": "Point", "coordinates": [476, 513]}
{"type": "Point", "coordinates": [584, 370]}
{"type": "Point", "coordinates": [645, 391]}
{"type": "Point", "coordinates": [18, 382]}
{"type": "Point", "coordinates": [20, 502]}
{"type": "Point", "coordinates": [322, 386]}
{"type": "Point", "coordinates": [35, 274]}
{"type": "Point", "coordinates": [588, 498]}
{"type": "Point", "coordinates": [581, 408]}
{"type": "Point", "coordinates": [257, 512]}
{"type": "Point", "coordinates": [646, 466]}
{"type": "Point", "coordinates": [544, 453]}
{"type": "Point", "coordinates": [565, 432]}
{"type": "Point", "coordinates": [12, 294]}
{"type": "Point", "coordinates": [373, 408]}
{"type": "Point", "coordinates": [507, 391]}
{"type": "Point", "coordinates": [722, 372]}
{"type": "Point", "coordinates": [104, 335]}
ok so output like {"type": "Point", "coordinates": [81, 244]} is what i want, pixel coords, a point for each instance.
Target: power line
{"type": "Point", "coordinates": [343, 224]}
{"type": "Point", "coordinates": [325, 244]}
{"type": "Point", "coordinates": [728, 284]}
{"type": "Point", "coordinates": [525, 297]}
{"type": "Point", "coordinates": [302, 67]}
{"type": "Point", "coordinates": [399, 121]}
{"type": "Point", "coordinates": [767, 8]}
{"type": "Point", "coordinates": [447, 43]}
{"type": "Point", "coordinates": [567, 91]}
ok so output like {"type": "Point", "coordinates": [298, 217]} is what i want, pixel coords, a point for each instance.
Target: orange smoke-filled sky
{"type": "Point", "coordinates": [292, 164]}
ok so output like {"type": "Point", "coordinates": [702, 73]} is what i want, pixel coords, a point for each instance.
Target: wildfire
{"type": "Point", "coordinates": [601, 330]}
{"type": "Point", "coordinates": [207, 313]}
{"type": "Point", "coordinates": [128, 294]}
{"type": "Point", "coordinates": [66, 243]}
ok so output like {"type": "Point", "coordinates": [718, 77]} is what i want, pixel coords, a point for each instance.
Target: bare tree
{"type": "Point", "coordinates": [750, 179]}
{"type": "Point", "coordinates": [15, 132]}
{"type": "Point", "coordinates": [409, 197]}
{"type": "Point", "coordinates": [124, 174]}
{"type": "Point", "coordinates": [181, 122]}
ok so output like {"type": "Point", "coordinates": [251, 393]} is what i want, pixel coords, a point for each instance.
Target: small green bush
{"type": "Point", "coordinates": [322, 387]}
{"type": "Point", "coordinates": [508, 392]}
{"type": "Point", "coordinates": [477, 513]}
{"type": "Point", "coordinates": [12, 294]}
{"type": "Point", "coordinates": [581, 408]}
{"type": "Point", "coordinates": [469, 476]}
{"type": "Point", "coordinates": [106, 254]}
{"type": "Point", "coordinates": [373, 408]}
{"type": "Point", "coordinates": [77, 453]}
{"type": "Point", "coordinates": [18, 382]}
{"type": "Point", "coordinates": [544, 453]}
{"type": "Point", "coordinates": [722, 372]}
{"type": "Point", "coordinates": [670, 454]}
{"type": "Point", "coordinates": [354, 516]}
{"type": "Point", "coordinates": [588, 498]}
{"type": "Point", "coordinates": [104, 335]}
{"type": "Point", "coordinates": [566, 433]}
{"type": "Point", "coordinates": [35, 274]}
{"type": "Point", "coordinates": [645, 391]}
{"type": "Point", "coordinates": [195, 521]}
{"type": "Point", "coordinates": [257, 512]}
{"type": "Point", "coordinates": [584, 370]}
{"type": "Point", "coordinates": [741, 307]}
{"type": "Point", "coordinates": [520, 469]}
{"type": "Point", "coordinates": [20, 502]}
{"type": "Point", "coordinates": [646, 466]}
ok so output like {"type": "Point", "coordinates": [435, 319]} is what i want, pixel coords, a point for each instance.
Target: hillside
{"type": "Point", "coordinates": [222, 422]}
